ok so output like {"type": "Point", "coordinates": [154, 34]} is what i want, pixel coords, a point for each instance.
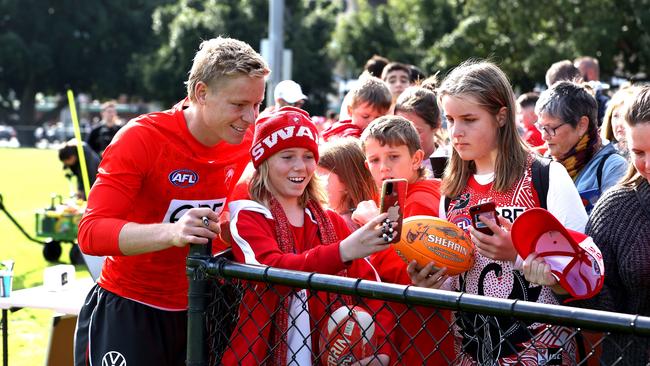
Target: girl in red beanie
{"type": "Point", "coordinates": [285, 226]}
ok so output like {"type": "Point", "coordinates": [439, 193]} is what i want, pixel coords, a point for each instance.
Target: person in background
{"type": "Point", "coordinates": [288, 93]}
{"type": "Point", "coordinates": [102, 134]}
{"type": "Point", "coordinates": [568, 121]}
{"type": "Point", "coordinates": [526, 118]}
{"type": "Point", "coordinates": [162, 184]}
{"type": "Point", "coordinates": [590, 71]}
{"type": "Point", "coordinates": [69, 156]}
{"type": "Point", "coordinates": [373, 67]}
{"type": "Point", "coordinates": [369, 99]}
{"type": "Point", "coordinates": [613, 128]}
{"type": "Point", "coordinates": [398, 77]}
{"type": "Point", "coordinates": [620, 226]}
{"type": "Point", "coordinates": [562, 70]}
{"type": "Point", "coordinates": [416, 75]}
{"type": "Point", "coordinates": [347, 180]}
{"type": "Point", "coordinates": [419, 105]}
{"type": "Point", "coordinates": [283, 225]}
{"type": "Point", "coordinates": [490, 162]}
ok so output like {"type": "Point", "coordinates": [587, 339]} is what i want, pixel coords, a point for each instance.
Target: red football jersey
{"type": "Point", "coordinates": [153, 172]}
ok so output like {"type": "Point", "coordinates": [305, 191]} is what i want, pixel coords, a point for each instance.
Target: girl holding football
{"type": "Point", "coordinates": [490, 162]}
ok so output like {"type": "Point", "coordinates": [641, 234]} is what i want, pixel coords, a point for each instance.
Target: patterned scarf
{"type": "Point", "coordinates": [581, 154]}
{"type": "Point", "coordinates": [286, 242]}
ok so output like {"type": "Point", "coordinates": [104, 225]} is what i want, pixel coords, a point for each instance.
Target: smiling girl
{"type": "Point", "coordinates": [284, 226]}
{"type": "Point", "coordinates": [490, 162]}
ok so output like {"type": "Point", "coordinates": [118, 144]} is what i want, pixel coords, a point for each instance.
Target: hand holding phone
{"type": "Point", "coordinates": [486, 210]}
{"type": "Point", "coordinates": [393, 195]}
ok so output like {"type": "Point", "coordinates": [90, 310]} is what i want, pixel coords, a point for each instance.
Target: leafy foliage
{"type": "Point", "coordinates": [180, 27]}
{"type": "Point", "coordinates": [48, 46]}
{"type": "Point", "coordinates": [523, 36]}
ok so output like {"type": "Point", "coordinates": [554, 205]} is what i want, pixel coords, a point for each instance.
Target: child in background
{"type": "Point", "coordinates": [398, 77]}
{"type": "Point", "coordinates": [392, 149]}
{"type": "Point", "coordinates": [284, 226]}
{"type": "Point", "coordinates": [369, 99]}
{"type": "Point", "coordinates": [419, 105]}
{"type": "Point", "coordinates": [348, 181]}
{"type": "Point", "coordinates": [526, 118]}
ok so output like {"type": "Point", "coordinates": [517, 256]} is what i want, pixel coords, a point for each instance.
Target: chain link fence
{"type": "Point", "coordinates": [249, 315]}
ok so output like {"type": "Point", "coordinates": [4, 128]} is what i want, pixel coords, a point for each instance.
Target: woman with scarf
{"type": "Point", "coordinates": [568, 122]}
{"type": "Point", "coordinates": [283, 225]}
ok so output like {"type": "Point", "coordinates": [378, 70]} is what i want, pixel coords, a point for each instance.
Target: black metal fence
{"type": "Point", "coordinates": [242, 315]}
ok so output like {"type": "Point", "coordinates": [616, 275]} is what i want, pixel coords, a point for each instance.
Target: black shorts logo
{"type": "Point", "coordinates": [113, 358]}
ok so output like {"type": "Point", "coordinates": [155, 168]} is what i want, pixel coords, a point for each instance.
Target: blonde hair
{"type": "Point", "coordinates": [220, 58]}
{"type": "Point", "coordinates": [373, 91]}
{"type": "Point", "coordinates": [344, 157]}
{"type": "Point", "coordinates": [637, 111]}
{"type": "Point", "coordinates": [393, 131]}
{"type": "Point", "coordinates": [489, 86]}
{"type": "Point", "coordinates": [259, 191]}
{"type": "Point", "coordinates": [617, 101]}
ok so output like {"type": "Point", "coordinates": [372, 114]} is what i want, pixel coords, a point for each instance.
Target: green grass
{"type": "Point", "coordinates": [29, 177]}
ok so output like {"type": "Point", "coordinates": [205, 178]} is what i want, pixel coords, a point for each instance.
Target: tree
{"type": "Point", "coordinates": [180, 27]}
{"type": "Point", "coordinates": [308, 28]}
{"type": "Point", "coordinates": [523, 36]}
{"type": "Point", "coordinates": [400, 30]}
{"type": "Point", "coordinates": [364, 33]}
{"type": "Point", "coordinates": [48, 46]}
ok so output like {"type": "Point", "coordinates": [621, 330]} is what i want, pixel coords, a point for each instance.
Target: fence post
{"type": "Point", "coordinates": [197, 303]}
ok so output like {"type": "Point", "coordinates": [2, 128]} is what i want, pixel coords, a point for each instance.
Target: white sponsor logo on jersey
{"type": "Point", "coordinates": [178, 208]}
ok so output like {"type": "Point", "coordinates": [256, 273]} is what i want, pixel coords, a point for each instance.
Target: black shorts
{"type": "Point", "coordinates": [115, 331]}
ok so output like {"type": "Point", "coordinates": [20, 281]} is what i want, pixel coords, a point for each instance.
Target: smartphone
{"type": "Point", "coordinates": [438, 165]}
{"type": "Point", "coordinates": [486, 210]}
{"type": "Point", "coordinates": [393, 195]}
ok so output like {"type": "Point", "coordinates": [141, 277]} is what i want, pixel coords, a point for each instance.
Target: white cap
{"type": "Point", "coordinates": [288, 90]}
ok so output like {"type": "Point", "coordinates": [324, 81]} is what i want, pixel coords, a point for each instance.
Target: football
{"type": "Point", "coordinates": [348, 336]}
{"type": "Point", "coordinates": [430, 239]}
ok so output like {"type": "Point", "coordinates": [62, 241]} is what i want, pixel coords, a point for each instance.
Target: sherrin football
{"type": "Point", "coordinates": [348, 336]}
{"type": "Point", "coordinates": [430, 239]}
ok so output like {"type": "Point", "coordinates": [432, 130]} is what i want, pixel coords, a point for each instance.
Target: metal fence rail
{"type": "Point", "coordinates": [226, 300]}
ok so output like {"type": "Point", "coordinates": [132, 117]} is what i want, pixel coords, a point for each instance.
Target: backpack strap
{"type": "Point", "coordinates": [540, 176]}
{"type": "Point", "coordinates": [599, 171]}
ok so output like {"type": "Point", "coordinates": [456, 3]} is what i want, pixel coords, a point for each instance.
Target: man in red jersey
{"type": "Point", "coordinates": [161, 185]}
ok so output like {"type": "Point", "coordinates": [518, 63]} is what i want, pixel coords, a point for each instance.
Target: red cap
{"type": "Point", "coordinates": [281, 129]}
{"type": "Point", "coordinates": [574, 258]}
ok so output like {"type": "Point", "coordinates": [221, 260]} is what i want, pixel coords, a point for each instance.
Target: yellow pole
{"type": "Point", "coordinates": [80, 149]}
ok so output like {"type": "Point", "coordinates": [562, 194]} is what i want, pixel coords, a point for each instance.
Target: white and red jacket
{"type": "Point", "coordinates": [252, 228]}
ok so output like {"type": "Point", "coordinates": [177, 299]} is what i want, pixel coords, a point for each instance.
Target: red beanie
{"type": "Point", "coordinates": [281, 129]}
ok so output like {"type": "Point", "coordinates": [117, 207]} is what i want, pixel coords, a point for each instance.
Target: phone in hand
{"type": "Point", "coordinates": [393, 195]}
{"type": "Point", "coordinates": [486, 210]}
{"type": "Point", "coordinates": [438, 165]}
